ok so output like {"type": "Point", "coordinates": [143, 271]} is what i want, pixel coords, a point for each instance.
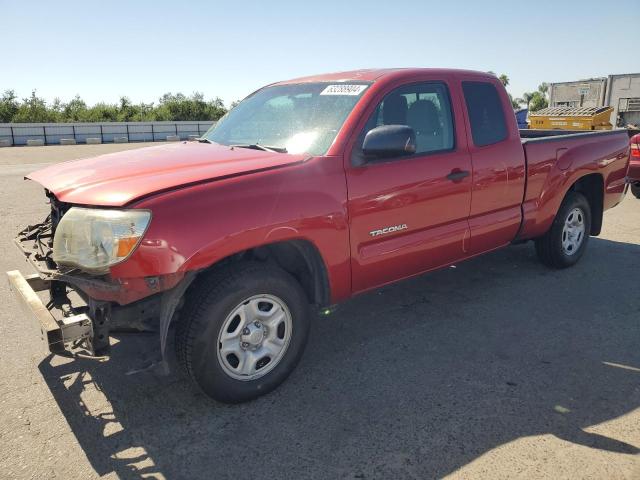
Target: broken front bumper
{"type": "Point", "coordinates": [80, 310]}
{"type": "Point", "coordinates": [58, 335]}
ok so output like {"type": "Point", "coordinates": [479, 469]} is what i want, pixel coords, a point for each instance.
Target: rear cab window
{"type": "Point", "coordinates": [486, 116]}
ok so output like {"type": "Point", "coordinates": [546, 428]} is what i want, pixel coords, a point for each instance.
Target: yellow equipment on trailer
{"type": "Point", "coordinates": [571, 118]}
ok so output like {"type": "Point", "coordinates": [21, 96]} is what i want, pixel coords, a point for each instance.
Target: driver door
{"type": "Point", "coordinates": [410, 214]}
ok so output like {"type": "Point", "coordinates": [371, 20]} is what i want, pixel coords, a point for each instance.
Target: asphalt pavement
{"type": "Point", "coordinates": [496, 368]}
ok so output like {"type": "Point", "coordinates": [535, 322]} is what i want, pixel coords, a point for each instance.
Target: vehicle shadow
{"type": "Point", "coordinates": [414, 380]}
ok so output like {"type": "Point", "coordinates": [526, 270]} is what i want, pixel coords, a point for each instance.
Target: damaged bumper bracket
{"type": "Point", "coordinates": [58, 335]}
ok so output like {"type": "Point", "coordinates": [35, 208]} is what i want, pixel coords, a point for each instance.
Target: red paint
{"type": "Point", "coordinates": [116, 179]}
{"type": "Point", "coordinates": [547, 184]}
{"type": "Point", "coordinates": [634, 164]}
{"type": "Point", "coordinates": [210, 201]}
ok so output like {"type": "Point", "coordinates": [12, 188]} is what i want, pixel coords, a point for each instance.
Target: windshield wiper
{"type": "Point", "coordinates": [204, 140]}
{"type": "Point", "coordinates": [257, 146]}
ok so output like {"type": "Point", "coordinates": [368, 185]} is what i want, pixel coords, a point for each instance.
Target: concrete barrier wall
{"type": "Point", "coordinates": [52, 133]}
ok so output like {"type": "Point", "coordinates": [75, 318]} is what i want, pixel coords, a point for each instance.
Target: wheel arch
{"type": "Point", "coordinates": [540, 212]}
{"type": "Point", "coordinates": [592, 187]}
{"type": "Point", "coordinates": [298, 257]}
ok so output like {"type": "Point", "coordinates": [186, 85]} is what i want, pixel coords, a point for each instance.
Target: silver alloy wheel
{"type": "Point", "coordinates": [254, 337]}
{"type": "Point", "coordinates": [573, 231]}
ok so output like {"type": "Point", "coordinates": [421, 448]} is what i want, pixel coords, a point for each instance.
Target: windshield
{"type": "Point", "coordinates": [298, 118]}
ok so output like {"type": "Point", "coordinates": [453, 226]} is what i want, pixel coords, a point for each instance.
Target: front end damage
{"type": "Point", "coordinates": [75, 311]}
{"type": "Point", "coordinates": [60, 333]}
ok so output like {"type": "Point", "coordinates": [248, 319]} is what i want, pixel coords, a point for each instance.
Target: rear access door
{"type": "Point", "coordinates": [498, 165]}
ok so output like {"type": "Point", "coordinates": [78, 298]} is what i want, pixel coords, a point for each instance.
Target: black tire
{"type": "Point", "coordinates": [549, 247]}
{"type": "Point", "coordinates": [207, 307]}
{"type": "Point", "coordinates": [635, 189]}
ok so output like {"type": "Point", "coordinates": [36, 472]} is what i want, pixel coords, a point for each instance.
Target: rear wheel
{"type": "Point", "coordinates": [635, 189]}
{"type": "Point", "coordinates": [565, 242]}
{"type": "Point", "coordinates": [243, 331]}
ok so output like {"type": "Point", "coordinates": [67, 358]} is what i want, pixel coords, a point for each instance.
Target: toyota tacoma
{"type": "Point", "coordinates": [306, 193]}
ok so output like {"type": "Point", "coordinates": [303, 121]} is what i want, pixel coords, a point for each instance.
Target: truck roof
{"type": "Point", "coordinates": [373, 74]}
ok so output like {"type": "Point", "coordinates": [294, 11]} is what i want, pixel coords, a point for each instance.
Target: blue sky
{"type": "Point", "coordinates": [104, 49]}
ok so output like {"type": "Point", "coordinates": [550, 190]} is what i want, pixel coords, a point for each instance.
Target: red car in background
{"type": "Point", "coordinates": [634, 165]}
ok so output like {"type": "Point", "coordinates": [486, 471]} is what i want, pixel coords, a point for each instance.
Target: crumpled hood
{"type": "Point", "coordinates": [116, 179]}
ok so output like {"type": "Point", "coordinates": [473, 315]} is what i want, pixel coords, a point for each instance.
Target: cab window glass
{"type": "Point", "coordinates": [486, 116]}
{"type": "Point", "coordinates": [293, 118]}
{"type": "Point", "coordinates": [425, 107]}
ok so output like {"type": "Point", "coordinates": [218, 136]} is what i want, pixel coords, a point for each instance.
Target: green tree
{"type": "Point", "coordinates": [8, 106]}
{"type": "Point", "coordinates": [102, 112]}
{"type": "Point", "coordinates": [544, 88]}
{"type": "Point", "coordinates": [126, 111]}
{"type": "Point", "coordinates": [536, 100]}
{"type": "Point", "coordinates": [75, 110]}
{"type": "Point", "coordinates": [525, 99]}
{"type": "Point", "coordinates": [34, 110]}
{"type": "Point", "coordinates": [171, 107]}
{"type": "Point", "coordinates": [57, 109]}
{"type": "Point", "coordinates": [179, 107]}
{"type": "Point", "coordinates": [143, 112]}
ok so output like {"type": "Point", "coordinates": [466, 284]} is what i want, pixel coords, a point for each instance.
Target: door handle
{"type": "Point", "coordinates": [457, 175]}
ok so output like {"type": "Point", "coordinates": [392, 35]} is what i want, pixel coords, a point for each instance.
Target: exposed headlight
{"type": "Point", "coordinates": [94, 239]}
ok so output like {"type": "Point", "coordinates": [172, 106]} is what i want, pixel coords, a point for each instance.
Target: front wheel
{"type": "Point", "coordinates": [635, 189]}
{"type": "Point", "coordinates": [243, 330]}
{"type": "Point", "coordinates": [565, 242]}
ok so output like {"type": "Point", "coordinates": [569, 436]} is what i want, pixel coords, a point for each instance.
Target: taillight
{"type": "Point", "coordinates": [635, 150]}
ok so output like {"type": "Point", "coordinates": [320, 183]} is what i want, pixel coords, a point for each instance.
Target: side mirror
{"type": "Point", "coordinates": [389, 141]}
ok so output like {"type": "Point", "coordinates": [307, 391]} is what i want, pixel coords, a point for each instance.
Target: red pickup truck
{"type": "Point", "coordinates": [306, 193]}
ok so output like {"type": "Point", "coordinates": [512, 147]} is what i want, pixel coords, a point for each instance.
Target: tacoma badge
{"type": "Point", "coordinates": [385, 230]}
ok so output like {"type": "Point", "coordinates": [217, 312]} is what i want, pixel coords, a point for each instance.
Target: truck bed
{"type": "Point", "coordinates": [559, 157]}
